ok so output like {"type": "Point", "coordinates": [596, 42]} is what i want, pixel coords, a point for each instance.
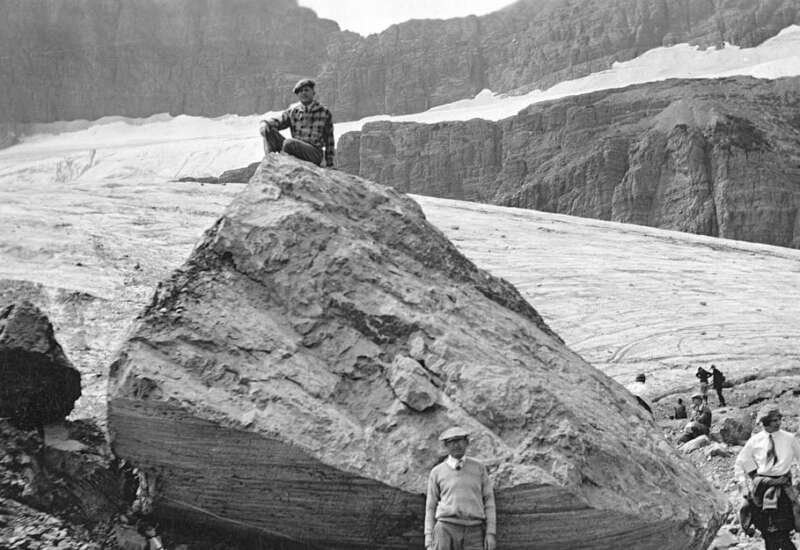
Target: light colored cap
{"type": "Point", "coordinates": [697, 395]}
{"type": "Point", "coordinates": [453, 433]}
{"type": "Point", "coordinates": [768, 411]}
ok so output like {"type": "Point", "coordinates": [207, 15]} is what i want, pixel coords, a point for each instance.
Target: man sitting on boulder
{"type": "Point", "coordinates": [311, 125]}
{"type": "Point", "coordinates": [679, 411]}
{"type": "Point", "coordinates": [763, 470]}
{"type": "Point", "coordinates": [699, 422]}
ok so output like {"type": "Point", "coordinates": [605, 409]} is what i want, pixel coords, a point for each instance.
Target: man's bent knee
{"type": "Point", "coordinates": [302, 150]}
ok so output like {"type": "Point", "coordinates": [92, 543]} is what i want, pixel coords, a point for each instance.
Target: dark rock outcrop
{"type": "Point", "coordinates": [235, 175]}
{"type": "Point", "coordinates": [38, 384]}
{"type": "Point", "coordinates": [8, 135]}
{"type": "Point", "coordinates": [715, 157]}
{"type": "Point", "coordinates": [83, 484]}
{"type": "Point", "coordinates": [292, 377]}
{"type": "Point", "coordinates": [82, 59]}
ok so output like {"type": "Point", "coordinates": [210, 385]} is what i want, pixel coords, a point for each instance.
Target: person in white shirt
{"type": "Point", "coordinates": [639, 390]}
{"type": "Point", "coordinates": [763, 469]}
{"type": "Point", "coordinates": [459, 509]}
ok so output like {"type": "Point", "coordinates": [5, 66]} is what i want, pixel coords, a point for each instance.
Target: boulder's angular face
{"type": "Point", "coordinates": [38, 384]}
{"type": "Point", "coordinates": [293, 376]}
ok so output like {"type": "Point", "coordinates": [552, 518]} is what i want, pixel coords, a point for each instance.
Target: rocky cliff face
{"type": "Point", "coordinates": [292, 377]}
{"type": "Point", "coordinates": [77, 59]}
{"type": "Point", "coordinates": [714, 157]}
{"type": "Point", "coordinates": [532, 44]}
{"type": "Point", "coordinates": [70, 59]}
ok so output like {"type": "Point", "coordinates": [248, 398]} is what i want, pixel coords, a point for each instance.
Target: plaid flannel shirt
{"type": "Point", "coordinates": [312, 124]}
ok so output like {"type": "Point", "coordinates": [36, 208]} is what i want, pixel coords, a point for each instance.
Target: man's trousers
{"type": "Point", "coordinates": [276, 143]}
{"type": "Point", "coordinates": [451, 536]}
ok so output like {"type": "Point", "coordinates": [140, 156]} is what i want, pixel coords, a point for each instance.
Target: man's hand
{"type": "Point", "coordinates": [428, 542]}
{"type": "Point", "coordinates": [489, 542]}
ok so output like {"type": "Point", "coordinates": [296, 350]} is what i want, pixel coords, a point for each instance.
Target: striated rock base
{"type": "Point", "coordinates": [279, 490]}
{"type": "Point", "coordinates": [291, 499]}
{"type": "Point", "coordinates": [291, 379]}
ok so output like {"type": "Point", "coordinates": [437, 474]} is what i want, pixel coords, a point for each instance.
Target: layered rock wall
{"type": "Point", "coordinates": [714, 157]}
{"type": "Point", "coordinates": [83, 59]}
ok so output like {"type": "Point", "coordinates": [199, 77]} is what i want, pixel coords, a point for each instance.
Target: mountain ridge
{"type": "Point", "coordinates": [84, 59]}
{"type": "Point", "coordinates": [718, 157]}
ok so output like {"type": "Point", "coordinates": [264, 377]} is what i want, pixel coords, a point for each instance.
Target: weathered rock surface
{"type": "Point", "coordinates": [715, 157]}
{"type": "Point", "coordinates": [697, 443]}
{"type": "Point", "coordinates": [302, 362]}
{"type": "Point", "coordinates": [83, 59]}
{"type": "Point", "coordinates": [38, 384]}
{"type": "Point", "coordinates": [51, 498]}
{"type": "Point", "coordinates": [732, 426]}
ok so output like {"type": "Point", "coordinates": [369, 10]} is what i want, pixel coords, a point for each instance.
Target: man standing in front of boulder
{"type": "Point", "coordinates": [311, 125]}
{"type": "Point", "coordinates": [459, 510]}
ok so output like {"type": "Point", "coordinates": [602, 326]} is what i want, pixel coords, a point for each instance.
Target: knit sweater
{"type": "Point", "coordinates": [464, 496]}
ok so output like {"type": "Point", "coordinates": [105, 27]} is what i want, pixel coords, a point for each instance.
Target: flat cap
{"type": "Point", "coordinates": [697, 395]}
{"type": "Point", "coordinates": [303, 82]}
{"type": "Point", "coordinates": [453, 433]}
{"type": "Point", "coordinates": [768, 411]}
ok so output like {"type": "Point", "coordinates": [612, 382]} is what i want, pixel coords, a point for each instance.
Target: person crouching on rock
{"type": "Point", "coordinates": [459, 510]}
{"type": "Point", "coordinates": [679, 411]}
{"type": "Point", "coordinates": [763, 470]}
{"type": "Point", "coordinates": [699, 422]}
{"type": "Point", "coordinates": [311, 125]}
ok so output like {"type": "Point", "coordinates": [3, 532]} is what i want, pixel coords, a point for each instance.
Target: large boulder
{"type": "Point", "coordinates": [292, 377]}
{"type": "Point", "coordinates": [38, 384]}
{"type": "Point", "coordinates": [732, 426]}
